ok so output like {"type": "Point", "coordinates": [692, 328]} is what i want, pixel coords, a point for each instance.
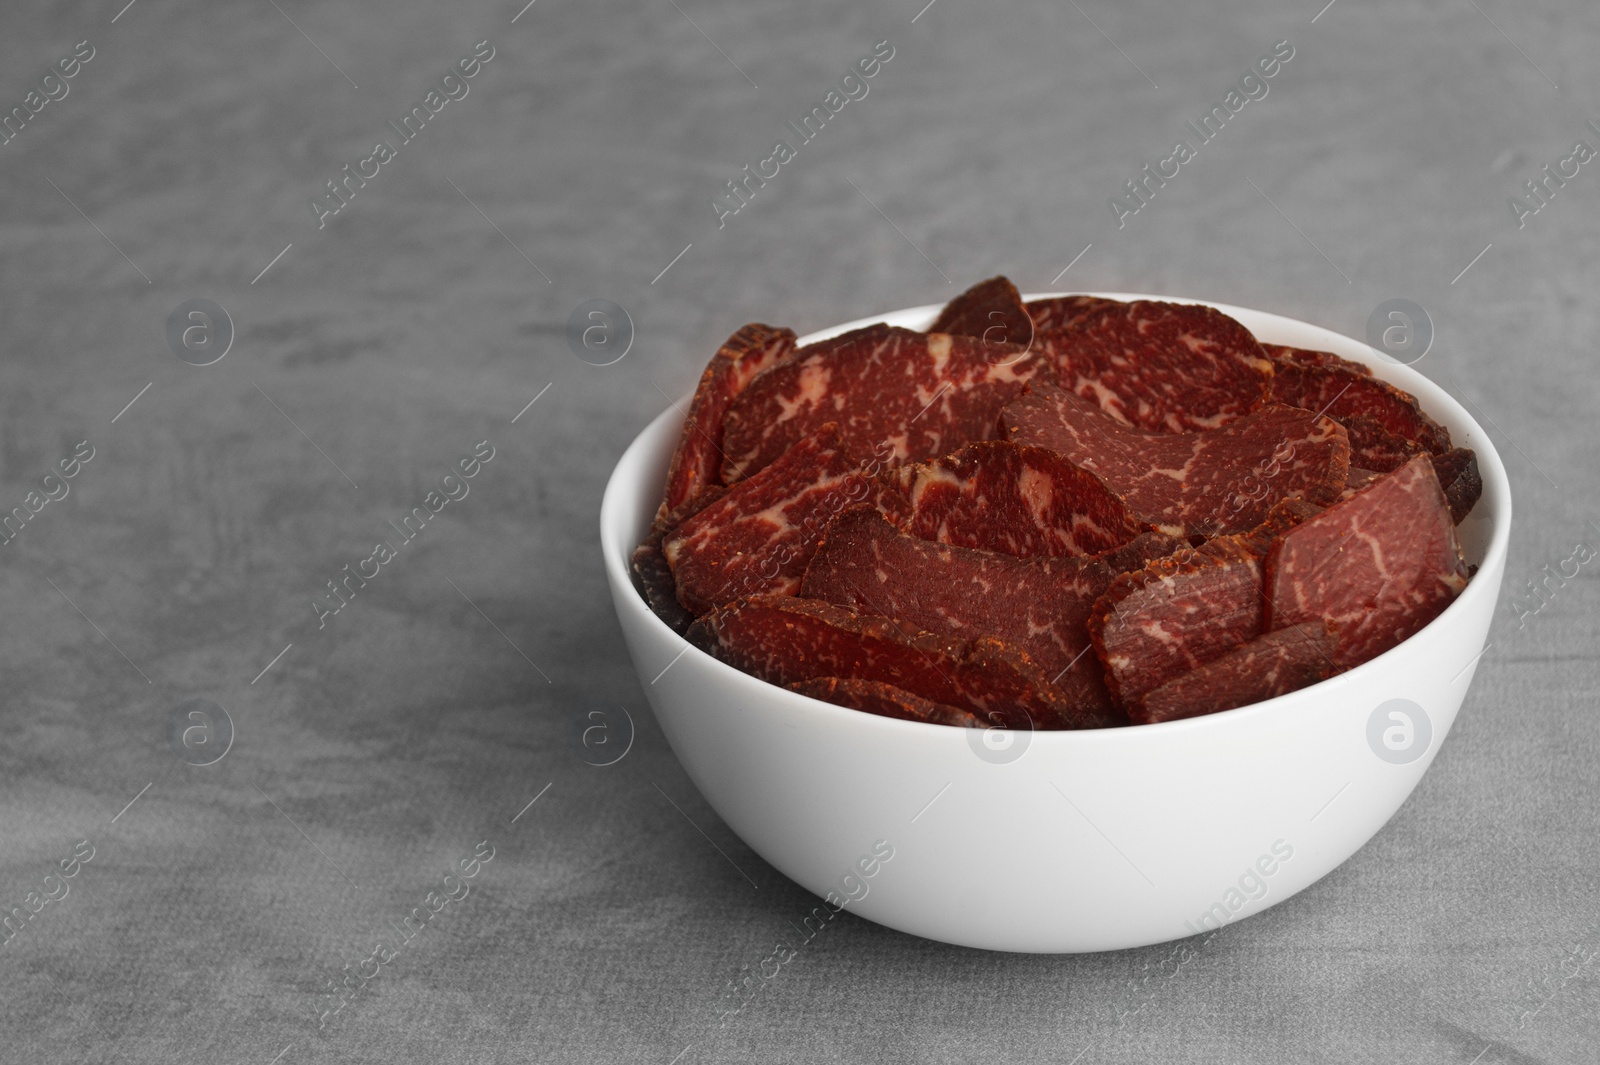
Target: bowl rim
{"type": "Point", "coordinates": [1496, 493]}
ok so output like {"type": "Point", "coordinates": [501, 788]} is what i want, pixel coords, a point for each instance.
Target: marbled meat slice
{"type": "Point", "coordinates": [1375, 448]}
{"type": "Point", "coordinates": [653, 576]}
{"type": "Point", "coordinates": [1180, 612]}
{"type": "Point", "coordinates": [886, 700]}
{"type": "Point", "coordinates": [783, 640]}
{"type": "Point", "coordinates": [1311, 357]}
{"type": "Point", "coordinates": [1378, 566]}
{"type": "Point", "coordinates": [1172, 367]}
{"type": "Point", "coordinates": [991, 310]}
{"type": "Point", "coordinates": [1054, 316]}
{"type": "Point", "coordinates": [697, 463]}
{"type": "Point", "coordinates": [758, 536]}
{"type": "Point", "coordinates": [896, 393]}
{"type": "Point", "coordinates": [1342, 393]}
{"type": "Point", "coordinates": [1024, 501]}
{"type": "Point", "coordinates": [1040, 605]}
{"type": "Point", "coordinates": [1275, 664]}
{"type": "Point", "coordinates": [1207, 483]}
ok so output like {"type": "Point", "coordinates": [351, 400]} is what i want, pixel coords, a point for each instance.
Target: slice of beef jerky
{"type": "Point", "coordinates": [653, 577]}
{"type": "Point", "coordinates": [886, 700]}
{"type": "Point", "coordinates": [1377, 567]}
{"type": "Point", "coordinates": [651, 574]}
{"type": "Point", "coordinates": [1172, 367]}
{"type": "Point", "coordinates": [991, 310]}
{"type": "Point", "coordinates": [1180, 612]}
{"type": "Point", "coordinates": [1356, 480]}
{"type": "Point", "coordinates": [784, 640]}
{"type": "Point", "coordinates": [1457, 470]}
{"type": "Point", "coordinates": [1207, 483]}
{"type": "Point", "coordinates": [1376, 448]}
{"type": "Point", "coordinates": [1054, 317]}
{"type": "Point", "coordinates": [1275, 664]}
{"type": "Point", "coordinates": [697, 464]}
{"type": "Point", "coordinates": [758, 536]}
{"type": "Point", "coordinates": [1024, 501]}
{"type": "Point", "coordinates": [1040, 605]}
{"type": "Point", "coordinates": [1310, 357]}
{"type": "Point", "coordinates": [1343, 393]}
{"type": "Point", "coordinates": [894, 393]}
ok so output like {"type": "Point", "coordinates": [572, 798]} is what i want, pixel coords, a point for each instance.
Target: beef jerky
{"type": "Point", "coordinates": [1377, 566]}
{"type": "Point", "coordinates": [885, 700]}
{"type": "Point", "coordinates": [1208, 483]}
{"type": "Point", "coordinates": [1021, 500]}
{"type": "Point", "coordinates": [1271, 665]}
{"type": "Point", "coordinates": [908, 395]}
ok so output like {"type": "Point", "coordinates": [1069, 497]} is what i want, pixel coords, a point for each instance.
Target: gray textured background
{"type": "Point", "coordinates": [417, 723]}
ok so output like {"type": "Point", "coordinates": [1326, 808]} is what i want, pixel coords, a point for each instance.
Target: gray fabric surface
{"type": "Point", "coordinates": [377, 351]}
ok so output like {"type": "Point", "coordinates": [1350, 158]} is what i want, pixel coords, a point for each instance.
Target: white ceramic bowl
{"type": "Point", "coordinates": [1064, 841]}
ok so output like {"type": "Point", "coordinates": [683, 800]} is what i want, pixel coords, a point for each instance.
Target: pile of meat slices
{"type": "Point", "coordinates": [1069, 513]}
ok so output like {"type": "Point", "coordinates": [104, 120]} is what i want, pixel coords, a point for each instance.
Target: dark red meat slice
{"type": "Point", "coordinates": [783, 640]}
{"type": "Point", "coordinates": [1310, 357]}
{"type": "Point", "coordinates": [1458, 474]}
{"type": "Point", "coordinates": [1342, 394]}
{"type": "Point", "coordinates": [883, 699]}
{"type": "Point", "coordinates": [1055, 316]}
{"type": "Point", "coordinates": [1180, 612]}
{"type": "Point", "coordinates": [697, 463]}
{"type": "Point", "coordinates": [758, 536]}
{"type": "Point", "coordinates": [1373, 447]}
{"type": "Point", "coordinates": [1173, 367]}
{"type": "Point", "coordinates": [1356, 480]}
{"type": "Point", "coordinates": [1040, 605]}
{"type": "Point", "coordinates": [1024, 501]}
{"type": "Point", "coordinates": [1378, 566]}
{"type": "Point", "coordinates": [1376, 448]}
{"type": "Point", "coordinates": [991, 310]}
{"type": "Point", "coordinates": [1208, 483]}
{"type": "Point", "coordinates": [895, 393]}
{"type": "Point", "coordinates": [653, 576]}
{"type": "Point", "coordinates": [654, 579]}
{"type": "Point", "coordinates": [1275, 664]}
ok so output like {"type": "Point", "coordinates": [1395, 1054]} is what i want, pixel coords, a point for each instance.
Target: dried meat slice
{"type": "Point", "coordinates": [1378, 566]}
{"type": "Point", "coordinates": [1275, 664]}
{"type": "Point", "coordinates": [1342, 393]}
{"type": "Point", "coordinates": [893, 392]}
{"type": "Point", "coordinates": [697, 464]}
{"type": "Point", "coordinates": [886, 700]}
{"type": "Point", "coordinates": [1054, 316]}
{"type": "Point", "coordinates": [1311, 357]}
{"type": "Point", "coordinates": [653, 577]}
{"type": "Point", "coordinates": [1171, 367]}
{"type": "Point", "coordinates": [1180, 612]}
{"type": "Point", "coordinates": [1024, 501]}
{"type": "Point", "coordinates": [1375, 448]}
{"type": "Point", "coordinates": [784, 640]}
{"type": "Point", "coordinates": [758, 536]}
{"type": "Point", "coordinates": [1458, 474]}
{"type": "Point", "coordinates": [1208, 483]}
{"type": "Point", "coordinates": [991, 310]}
{"type": "Point", "coordinates": [1040, 605]}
